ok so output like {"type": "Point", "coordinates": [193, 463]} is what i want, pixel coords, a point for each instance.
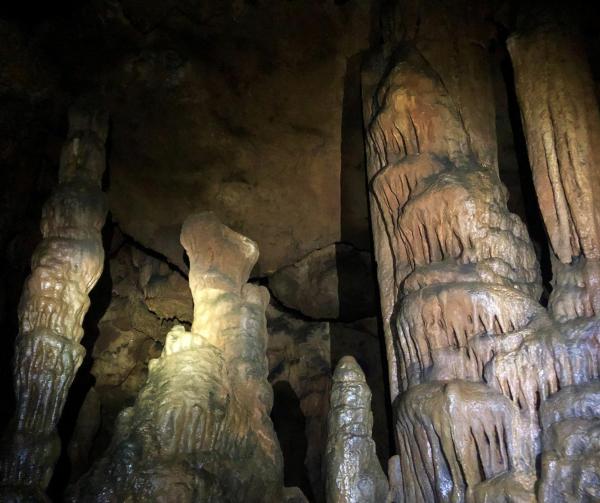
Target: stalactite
{"type": "Point", "coordinates": [200, 427]}
{"type": "Point", "coordinates": [65, 267]}
{"type": "Point", "coordinates": [354, 474]}
{"type": "Point", "coordinates": [561, 120]}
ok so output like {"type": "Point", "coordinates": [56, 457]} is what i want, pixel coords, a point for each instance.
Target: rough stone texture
{"type": "Point", "coordinates": [32, 131]}
{"type": "Point", "coordinates": [354, 474]}
{"type": "Point", "coordinates": [471, 352]}
{"type": "Point", "coordinates": [333, 282]}
{"type": "Point", "coordinates": [199, 429]}
{"type": "Point", "coordinates": [571, 466]}
{"type": "Point", "coordinates": [562, 124]}
{"type": "Point", "coordinates": [65, 267]}
{"type": "Point", "coordinates": [130, 333]}
{"type": "Point", "coordinates": [475, 361]}
{"type": "Point", "coordinates": [299, 354]}
{"type": "Point", "coordinates": [230, 106]}
{"type": "Point", "coordinates": [361, 339]}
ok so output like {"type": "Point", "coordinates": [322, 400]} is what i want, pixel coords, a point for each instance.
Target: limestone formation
{"type": "Point", "coordinates": [334, 282]}
{"type": "Point", "coordinates": [199, 429]}
{"type": "Point", "coordinates": [354, 474]}
{"type": "Point", "coordinates": [299, 353]}
{"type": "Point", "coordinates": [476, 363]}
{"type": "Point", "coordinates": [458, 277]}
{"type": "Point", "coordinates": [64, 268]}
{"type": "Point", "coordinates": [561, 120]}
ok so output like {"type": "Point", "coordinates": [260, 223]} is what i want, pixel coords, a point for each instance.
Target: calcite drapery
{"type": "Point", "coordinates": [354, 474]}
{"type": "Point", "coordinates": [561, 121]}
{"type": "Point", "coordinates": [199, 429]}
{"type": "Point", "coordinates": [65, 267]}
{"type": "Point", "coordinates": [458, 275]}
{"type": "Point", "coordinates": [476, 363]}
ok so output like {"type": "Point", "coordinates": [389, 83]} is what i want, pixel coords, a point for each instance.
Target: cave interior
{"type": "Point", "coordinates": [300, 250]}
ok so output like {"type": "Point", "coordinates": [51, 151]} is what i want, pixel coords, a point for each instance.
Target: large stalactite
{"type": "Point", "coordinates": [200, 427]}
{"type": "Point", "coordinates": [65, 267]}
{"type": "Point", "coordinates": [561, 120]}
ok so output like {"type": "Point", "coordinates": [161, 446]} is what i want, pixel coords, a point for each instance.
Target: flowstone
{"type": "Point", "coordinates": [64, 268]}
{"type": "Point", "coordinates": [484, 381]}
{"type": "Point", "coordinates": [561, 120]}
{"type": "Point", "coordinates": [200, 428]}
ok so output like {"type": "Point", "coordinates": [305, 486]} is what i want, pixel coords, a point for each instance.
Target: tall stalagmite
{"type": "Point", "coordinates": [561, 120]}
{"type": "Point", "coordinates": [65, 267]}
{"type": "Point", "coordinates": [354, 474]}
{"type": "Point", "coordinates": [458, 275]}
{"type": "Point", "coordinates": [200, 430]}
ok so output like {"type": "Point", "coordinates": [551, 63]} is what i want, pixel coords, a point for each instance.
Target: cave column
{"type": "Point", "coordinates": [458, 275]}
{"type": "Point", "coordinates": [561, 120]}
{"type": "Point", "coordinates": [65, 267]}
{"type": "Point", "coordinates": [354, 474]}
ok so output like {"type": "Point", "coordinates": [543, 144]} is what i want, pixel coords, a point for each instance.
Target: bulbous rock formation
{"type": "Point", "coordinates": [200, 428]}
{"type": "Point", "coordinates": [354, 474]}
{"type": "Point", "coordinates": [65, 267]}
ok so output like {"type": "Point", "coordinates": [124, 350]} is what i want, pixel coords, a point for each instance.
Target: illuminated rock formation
{"type": "Point", "coordinates": [64, 268]}
{"type": "Point", "coordinates": [475, 362]}
{"type": "Point", "coordinates": [354, 474]}
{"type": "Point", "coordinates": [458, 275]}
{"type": "Point", "coordinates": [200, 427]}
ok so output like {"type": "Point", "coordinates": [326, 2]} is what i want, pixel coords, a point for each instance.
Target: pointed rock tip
{"type": "Point", "coordinates": [347, 370]}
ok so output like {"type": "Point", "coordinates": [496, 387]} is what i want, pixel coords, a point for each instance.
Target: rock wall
{"type": "Point", "coordinates": [231, 106]}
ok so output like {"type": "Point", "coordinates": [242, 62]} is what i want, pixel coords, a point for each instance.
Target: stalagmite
{"type": "Point", "coordinates": [458, 275]}
{"type": "Point", "coordinates": [354, 474]}
{"type": "Point", "coordinates": [200, 427]}
{"type": "Point", "coordinates": [65, 267]}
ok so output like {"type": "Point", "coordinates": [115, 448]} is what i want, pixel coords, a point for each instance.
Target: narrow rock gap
{"type": "Point", "coordinates": [531, 211]}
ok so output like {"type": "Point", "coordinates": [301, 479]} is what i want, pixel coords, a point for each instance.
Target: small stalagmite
{"type": "Point", "coordinates": [65, 267]}
{"type": "Point", "coordinates": [354, 474]}
{"type": "Point", "coordinates": [200, 430]}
